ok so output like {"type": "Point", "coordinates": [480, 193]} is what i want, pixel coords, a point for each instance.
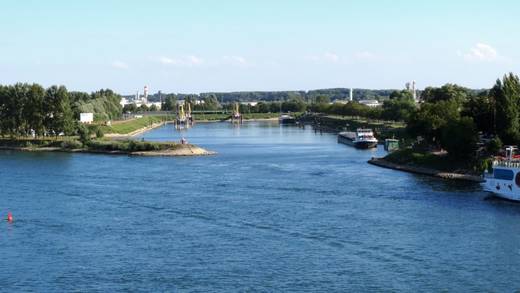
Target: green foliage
{"type": "Point", "coordinates": [506, 94]}
{"type": "Point", "coordinates": [128, 126]}
{"type": "Point", "coordinates": [481, 107]}
{"type": "Point", "coordinates": [169, 103]}
{"type": "Point", "coordinates": [411, 157]}
{"type": "Point", "coordinates": [398, 108]}
{"type": "Point", "coordinates": [153, 108]}
{"type": "Point", "coordinates": [447, 92]}
{"type": "Point", "coordinates": [459, 137]}
{"type": "Point", "coordinates": [84, 133]}
{"type": "Point", "coordinates": [71, 144]}
{"type": "Point", "coordinates": [130, 145]}
{"type": "Point", "coordinates": [99, 133]}
{"type": "Point", "coordinates": [130, 108]}
{"type": "Point", "coordinates": [494, 146]}
{"type": "Point", "coordinates": [105, 104]}
{"type": "Point", "coordinates": [431, 118]}
{"type": "Point", "coordinates": [403, 94]}
{"type": "Point", "coordinates": [211, 103]}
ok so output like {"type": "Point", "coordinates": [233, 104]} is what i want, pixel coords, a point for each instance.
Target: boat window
{"type": "Point", "coordinates": [517, 179]}
{"type": "Point", "coordinates": [503, 174]}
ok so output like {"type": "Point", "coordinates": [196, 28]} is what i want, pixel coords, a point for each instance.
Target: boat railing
{"type": "Point", "coordinates": [507, 163]}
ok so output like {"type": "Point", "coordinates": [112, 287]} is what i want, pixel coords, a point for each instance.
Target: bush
{"type": "Point", "coordinates": [99, 133]}
{"type": "Point", "coordinates": [494, 146]}
{"type": "Point", "coordinates": [71, 144]}
{"type": "Point", "coordinates": [84, 133]}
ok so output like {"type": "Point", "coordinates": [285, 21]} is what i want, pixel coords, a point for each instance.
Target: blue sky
{"type": "Point", "coordinates": [228, 45]}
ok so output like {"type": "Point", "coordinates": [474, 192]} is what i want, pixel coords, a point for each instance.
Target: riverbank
{"type": "Point", "coordinates": [427, 164]}
{"type": "Point", "coordinates": [111, 147]}
{"type": "Point", "coordinates": [336, 123]}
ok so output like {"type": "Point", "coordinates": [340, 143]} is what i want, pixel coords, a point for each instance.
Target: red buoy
{"type": "Point", "coordinates": [9, 217]}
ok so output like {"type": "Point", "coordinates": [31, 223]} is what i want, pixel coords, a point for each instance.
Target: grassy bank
{"type": "Point", "coordinates": [410, 157]}
{"type": "Point", "coordinates": [128, 126]}
{"type": "Point", "coordinates": [73, 143]}
{"type": "Point", "coordinates": [103, 146]}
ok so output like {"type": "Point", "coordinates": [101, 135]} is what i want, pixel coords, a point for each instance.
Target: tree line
{"type": "Point", "coordinates": [30, 109]}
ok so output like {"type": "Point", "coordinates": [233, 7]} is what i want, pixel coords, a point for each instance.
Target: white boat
{"type": "Point", "coordinates": [504, 179]}
{"type": "Point", "coordinates": [361, 139]}
{"type": "Point", "coordinates": [286, 119]}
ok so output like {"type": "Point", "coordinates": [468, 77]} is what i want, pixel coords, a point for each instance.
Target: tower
{"type": "Point", "coordinates": [414, 91]}
{"type": "Point", "coordinates": [351, 95]}
{"type": "Point", "coordinates": [137, 95]}
{"type": "Point", "coordinates": [146, 94]}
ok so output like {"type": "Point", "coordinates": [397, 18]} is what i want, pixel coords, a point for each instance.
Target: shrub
{"type": "Point", "coordinates": [494, 146]}
{"type": "Point", "coordinates": [99, 133]}
{"type": "Point", "coordinates": [71, 144]}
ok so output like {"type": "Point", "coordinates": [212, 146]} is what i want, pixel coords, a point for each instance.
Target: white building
{"type": "Point", "coordinates": [86, 118]}
{"type": "Point", "coordinates": [252, 104]}
{"type": "Point", "coordinates": [370, 103]}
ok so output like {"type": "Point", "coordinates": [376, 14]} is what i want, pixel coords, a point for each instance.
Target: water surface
{"type": "Point", "coordinates": [278, 209]}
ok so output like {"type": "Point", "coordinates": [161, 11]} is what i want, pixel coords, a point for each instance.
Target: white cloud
{"type": "Point", "coordinates": [327, 57]}
{"type": "Point", "coordinates": [481, 52]}
{"type": "Point", "coordinates": [364, 55]}
{"type": "Point", "coordinates": [168, 61]}
{"type": "Point", "coordinates": [331, 57]}
{"type": "Point", "coordinates": [186, 61]}
{"type": "Point", "coordinates": [236, 60]}
{"type": "Point", "coordinates": [119, 64]}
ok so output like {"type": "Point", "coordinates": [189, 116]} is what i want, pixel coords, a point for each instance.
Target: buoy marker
{"type": "Point", "coordinates": [9, 217]}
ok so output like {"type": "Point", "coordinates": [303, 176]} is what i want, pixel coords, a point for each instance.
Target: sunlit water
{"type": "Point", "coordinates": [278, 209]}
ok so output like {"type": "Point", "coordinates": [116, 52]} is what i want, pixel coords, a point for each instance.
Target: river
{"type": "Point", "coordinates": [279, 208]}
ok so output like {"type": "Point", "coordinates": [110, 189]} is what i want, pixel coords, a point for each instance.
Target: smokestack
{"type": "Point", "coordinates": [414, 92]}
{"type": "Point", "coordinates": [146, 94]}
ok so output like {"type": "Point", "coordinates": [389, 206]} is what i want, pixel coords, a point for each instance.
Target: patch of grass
{"type": "Point", "coordinates": [445, 163]}
{"type": "Point", "coordinates": [129, 126]}
{"type": "Point", "coordinates": [130, 145]}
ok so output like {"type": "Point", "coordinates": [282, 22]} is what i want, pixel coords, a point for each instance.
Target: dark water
{"type": "Point", "coordinates": [278, 209]}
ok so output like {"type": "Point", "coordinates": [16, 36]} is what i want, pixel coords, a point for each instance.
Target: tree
{"type": "Point", "coordinates": [404, 94]}
{"type": "Point", "coordinates": [482, 108]}
{"type": "Point", "coordinates": [129, 108]}
{"type": "Point", "coordinates": [444, 93]}
{"type": "Point", "coordinates": [506, 94]}
{"type": "Point", "coordinates": [211, 103]}
{"type": "Point", "coordinates": [58, 111]}
{"type": "Point", "coordinates": [398, 109]}
{"type": "Point", "coordinates": [169, 103]}
{"type": "Point", "coordinates": [431, 118]}
{"type": "Point", "coordinates": [459, 137]}
{"type": "Point", "coordinates": [33, 110]}
{"type": "Point", "coordinates": [322, 100]}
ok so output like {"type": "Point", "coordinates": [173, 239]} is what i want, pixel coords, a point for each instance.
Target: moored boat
{"type": "Point", "coordinates": [361, 139]}
{"type": "Point", "coordinates": [504, 179]}
{"type": "Point", "coordinates": [286, 119]}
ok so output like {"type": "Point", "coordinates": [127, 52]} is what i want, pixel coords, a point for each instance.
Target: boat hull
{"type": "Point", "coordinates": [287, 121]}
{"type": "Point", "coordinates": [365, 144]}
{"type": "Point", "coordinates": [502, 188]}
{"type": "Point", "coordinates": [348, 138]}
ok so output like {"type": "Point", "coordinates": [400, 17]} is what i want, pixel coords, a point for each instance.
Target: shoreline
{"type": "Point", "coordinates": [180, 151]}
{"type": "Point", "coordinates": [381, 162]}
